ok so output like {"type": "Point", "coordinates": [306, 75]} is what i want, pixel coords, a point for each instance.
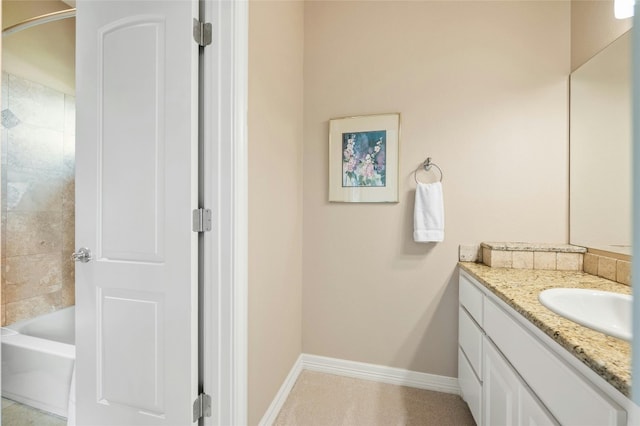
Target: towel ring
{"type": "Point", "coordinates": [427, 166]}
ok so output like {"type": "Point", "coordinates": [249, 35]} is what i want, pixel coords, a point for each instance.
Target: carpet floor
{"type": "Point", "coordinates": [319, 399]}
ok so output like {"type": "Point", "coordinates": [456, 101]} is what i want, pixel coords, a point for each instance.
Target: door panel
{"type": "Point", "coordinates": [136, 186]}
{"type": "Point", "coordinates": [133, 125]}
{"type": "Point", "coordinates": [132, 378]}
{"type": "Point", "coordinates": [500, 389]}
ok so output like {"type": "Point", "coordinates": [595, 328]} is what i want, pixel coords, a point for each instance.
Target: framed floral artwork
{"type": "Point", "coordinates": [363, 158]}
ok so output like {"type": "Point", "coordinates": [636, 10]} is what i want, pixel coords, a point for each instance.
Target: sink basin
{"type": "Point", "coordinates": [603, 311]}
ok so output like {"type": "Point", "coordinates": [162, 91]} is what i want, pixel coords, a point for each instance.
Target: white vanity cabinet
{"type": "Point", "coordinates": [509, 376]}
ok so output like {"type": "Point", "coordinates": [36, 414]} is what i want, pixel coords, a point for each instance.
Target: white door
{"type": "Point", "coordinates": [136, 187]}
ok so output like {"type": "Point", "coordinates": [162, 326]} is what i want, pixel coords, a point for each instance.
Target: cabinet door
{"type": "Point", "coordinates": [531, 412]}
{"type": "Point", "coordinates": [500, 396]}
{"type": "Point", "coordinates": [507, 401]}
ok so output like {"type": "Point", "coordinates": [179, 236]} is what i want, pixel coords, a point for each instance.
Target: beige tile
{"type": "Point", "coordinates": [34, 189]}
{"type": "Point", "coordinates": [33, 233]}
{"type": "Point", "coordinates": [3, 314]}
{"type": "Point", "coordinates": [31, 308]}
{"type": "Point", "coordinates": [486, 256]}
{"type": "Point", "coordinates": [569, 262]}
{"type": "Point", "coordinates": [591, 263]}
{"type": "Point", "coordinates": [522, 260]}
{"type": "Point", "coordinates": [31, 276]}
{"type": "Point", "coordinates": [544, 260]}
{"type": "Point", "coordinates": [607, 268]}
{"type": "Point", "coordinates": [3, 196]}
{"type": "Point", "coordinates": [68, 155]}
{"type": "Point", "coordinates": [3, 149]}
{"type": "Point", "coordinates": [68, 192]}
{"type": "Point", "coordinates": [36, 104]}
{"type": "Point", "coordinates": [3, 272]}
{"type": "Point", "coordinates": [501, 259]}
{"type": "Point", "coordinates": [5, 90]}
{"type": "Point", "coordinates": [623, 272]}
{"type": "Point", "coordinates": [70, 114]}
{"type": "Point", "coordinates": [68, 229]}
{"type": "Point", "coordinates": [3, 233]}
{"type": "Point", "coordinates": [34, 148]}
{"type": "Point", "coordinates": [4, 136]}
{"type": "Point", "coordinates": [68, 280]}
{"type": "Point", "coordinates": [469, 252]}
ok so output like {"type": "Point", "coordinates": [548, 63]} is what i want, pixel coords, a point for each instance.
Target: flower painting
{"type": "Point", "coordinates": [363, 158]}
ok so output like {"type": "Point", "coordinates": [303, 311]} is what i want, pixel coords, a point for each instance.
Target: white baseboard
{"type": "Point", "coordinates": [380, 373]}
{"type": "Point", "coordinates": [283, 393]}
{"type": "Point", "coordinates": [357, 370]}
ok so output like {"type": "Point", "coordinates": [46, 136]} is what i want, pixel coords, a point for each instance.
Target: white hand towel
{"type": "Point", "coordinates": [428, 213]}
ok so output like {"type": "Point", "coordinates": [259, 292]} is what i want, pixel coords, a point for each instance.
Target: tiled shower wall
{"type": "Point", "coordinates": [38, 190]}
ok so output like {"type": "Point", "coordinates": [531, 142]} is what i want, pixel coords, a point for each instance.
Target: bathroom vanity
{"type": "Point", "coordinates": [521, 364]}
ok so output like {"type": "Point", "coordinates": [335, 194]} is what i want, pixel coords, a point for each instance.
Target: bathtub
{"type": "Point", "coordinates": [38, 356]}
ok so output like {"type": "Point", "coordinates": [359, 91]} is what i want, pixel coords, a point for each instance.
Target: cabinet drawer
{"type": "Point", "coordinates": [470, 387]}
{"type": "Point", "coordinates": [470, 339]}
{"type": "Point", "coordinates": [566, 393]}
{"type": "Point", "coordinates": [471, 298]}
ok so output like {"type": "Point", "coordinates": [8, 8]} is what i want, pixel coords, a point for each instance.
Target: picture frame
{"type": "Point", "coordinates": [363, 158]}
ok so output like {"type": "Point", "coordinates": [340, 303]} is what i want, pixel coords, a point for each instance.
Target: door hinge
{"type": "Point", "coordinates": [202, 32]}
{"type": "Point", "coordinates": [202, 220]}
{"type": "Point", "coordinates": [201, 407]}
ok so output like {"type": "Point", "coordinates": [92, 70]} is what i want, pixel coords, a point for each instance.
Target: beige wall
{"type": "Point", "coordinates": [482, 89]}
{"type": "Point", "coordinates": [275, 197]}
{"type": "Point", "coordinates": [593, 27]}
{"type": "Point", "coordinates": [44, 54]}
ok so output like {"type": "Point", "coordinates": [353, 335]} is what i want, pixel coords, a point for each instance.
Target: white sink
{"type": "Point", "coordinates": [603, 311]}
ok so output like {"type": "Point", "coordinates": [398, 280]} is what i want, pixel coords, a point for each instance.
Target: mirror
{"type": "Point", "coordinates": [600, 150]}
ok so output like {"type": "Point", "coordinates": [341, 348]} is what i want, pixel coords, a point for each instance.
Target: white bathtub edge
{"type": "Point", "coordinates": [42, 345]}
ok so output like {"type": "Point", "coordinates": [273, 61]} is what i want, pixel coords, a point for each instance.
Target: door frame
{"type": "Point", "coordinates": [225, 322]}
{"type": "Point", "coordinates": [226, 193]}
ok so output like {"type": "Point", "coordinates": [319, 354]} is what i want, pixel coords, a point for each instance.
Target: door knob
{"type": "Point", "coordinates": [83, 255]}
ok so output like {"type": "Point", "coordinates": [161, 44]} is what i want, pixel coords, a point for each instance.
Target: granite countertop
{"type": "Point", "coordinates": [608, 356]}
